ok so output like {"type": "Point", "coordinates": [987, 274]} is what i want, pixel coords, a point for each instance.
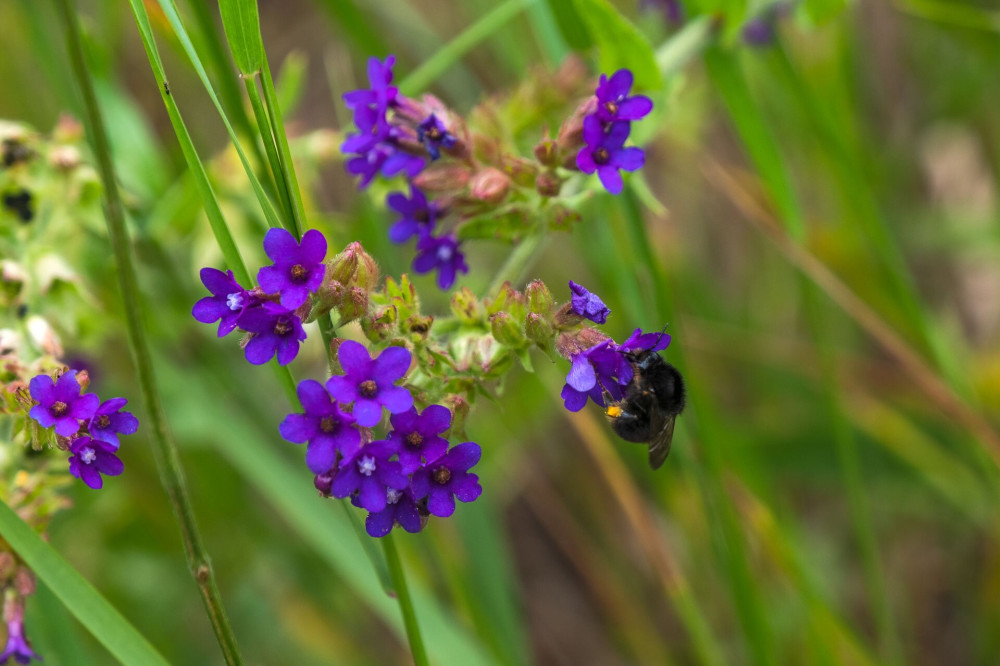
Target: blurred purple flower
{"type": "Point", "coordinates": [387, 158]}
{"type": "Point", "coordinates": [588, 304]}
{"type": "Point", "coordinates": [673, 10]}
{"type": "Point", "coordinates": [60, 403]}
{"type": "Point", "coordinates": [640, 341]}
{"type": "Point", "coordinates": [91, 458]}
{"type": "Point", "coordinates": [277, 331]}
{"type": "Point", "coordinates": [605, 154]}
{"type": "Point", "coordinates": [448, 477]}
{"type": "Point", "coordinates": [325, 427]}
{"type": "Point", "coordinates": [228, 301]}
{"type": "Point", "coordinates": [593, 371]}
{"type": "Point", "coordinates": [417, 215]}
{"type": "Point", "coordinates": [369, 472]}
{"type": "Point", "coordinates": [369, 384]}
{"type": "Point", "coordinates": [401, 508]}
{"type": "Point", "coordinates": [17, 647]}
{"type": "Point", "coordinates": [373, 128]}
{"type": "Point", "coordinates": [441, 253]}
{"type": "Point", "coordinates": [298, 265]}
{"type": "Point", "coordinates": [380, 93]}
{"type": "Point", "coordinates": [434, 135]}
{"type": "Point", "coordinates": [613, 101]}
{"type": "Point", "coordinates": [108, 422]}
{"type": "Point", "coordinates": [418, 437]}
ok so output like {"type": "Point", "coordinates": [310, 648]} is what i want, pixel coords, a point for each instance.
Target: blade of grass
{"type": "Point", "coordinates": [164, 450]}
{"type": "Point", "coordinates": [85, 603]}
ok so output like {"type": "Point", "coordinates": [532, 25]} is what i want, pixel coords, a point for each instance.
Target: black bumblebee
{"type": "Point", "coordinates": [650, 404]}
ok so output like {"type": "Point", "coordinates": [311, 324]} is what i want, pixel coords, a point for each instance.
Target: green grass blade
{"type": "Point", "coordinates": [241, 22]}
{"type": "Point", "coordinates": [620, 44]}
{"type": "Point", "coordinates": [280, 136]}
{"type": "Point", "coordinates": [86, 604]}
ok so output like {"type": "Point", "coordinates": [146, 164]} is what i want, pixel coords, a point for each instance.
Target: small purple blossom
{"type": "Point", "coordinates": [387, 158]}
{"type": "Point", "coordinates": [370, 384]}
{"type": "Point", "coordinates": [417, 215]}
{"type": "Point", "coordinates": [593, 371]}
{"type": "Point", "coordinates": [91, 458]}
{"type": "Point", "coordinates": [435, 135]}
{"type": "Point", "coordinates": [228, 301]}
{"type": "Point", "coordinates": [373, 128]}
{"type": "Point", "coordinates": [588, 304]}
{"type": "Point", "coordinates": [640, 341]}
{"type": "Point", "coordinates": [441, 253]}
{"type": "Point", "coordinates": [298, 265]}
{"type": "Point", "coordinates": [605, 152]}
{"type": "Point", "coordinates": [325, 427]}
{"type": "Point", "coordinates": [17, 647]}
{"type": "Point", "coordinates": [614, 102]}
{"type": "Point", "coordinates": [401, 508]}
{"type": "Point", "coordinates": [380, 93]}
{"type": "Point", "coordinates": [108, 422]}
{"type": "Point", "coordinates": [673, 10]}
{"type": "Point", "coordinates": [277, 331]}
{"type": "Point", "coordinates": [369, 472]}
{"type": "Point", "coordinates": [418, 437]}
{"type": "Point", "coordinates": [448, 477]}
{"type": "Point", "coordinates": [60, 403]}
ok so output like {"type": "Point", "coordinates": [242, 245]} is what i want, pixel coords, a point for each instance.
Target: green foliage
{"type": "Point", "coordinates": [242, 24]}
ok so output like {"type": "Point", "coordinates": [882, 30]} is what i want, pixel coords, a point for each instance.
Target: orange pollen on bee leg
{"type": "Point", "coordinates": [614, 411]}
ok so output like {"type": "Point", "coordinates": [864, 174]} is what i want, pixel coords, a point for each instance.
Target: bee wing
{"type": "Point", "coordinates": [659, 447]}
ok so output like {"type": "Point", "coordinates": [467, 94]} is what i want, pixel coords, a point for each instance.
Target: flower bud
{"type": "Point", "coordinates": [520, 170]}
{"type": "Point", "coordinates": [419, 325]}
{"type": "Point", "coordinates": [67, 130]}
{"type": "Point", "coordinates": [380, 325]}
{"type": "Point", "coordinates": [565, 317]}
{"type": "Point", "coordinates": [507, 298]}
{"type": "Point", "coordinates": [65, 158]}
{"type": "Point", "coordinates": [334, 357]}
{"type": "Point", "coordinates": [539, 298]}
{"type": "Point", "coordinates": [506, 330]}
{"type": "Point", "coordinates": [570, 138]}
{"type": "Point", "coordinates": [570, 344]}
{"type": "Point", "coordinates": [83, 379]}
{"type": "Point", "coordinates": [547, 152]}
{"type": "Point", "coordinates": [490, 185]}
{"type": "Point", "coordinates": [538, 330]}
{"type": "Point", "coordinates": [459, 407]}
{"type": "Point", "coordinates": [548, 184]}
{"type": "Point", "coordinates": [465, 306]}
{"type": "Point", "coordinates": [24, 582]}
{"type": "Point", "coordinates": [353, 305]}
{"type": "Point", "coordinates": [443, 177]}
{"type": "Point", "coordinates": [324, 484]}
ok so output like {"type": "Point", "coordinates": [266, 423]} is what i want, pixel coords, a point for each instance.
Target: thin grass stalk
{"type": "Point", "coordinates": [164, 450]}
{"type": "Point", "coordinates": [284, 153]}
{"type": "Point", "coordinates": [264, 129]}
{"type": "Point", "coordinates": [405, 602]}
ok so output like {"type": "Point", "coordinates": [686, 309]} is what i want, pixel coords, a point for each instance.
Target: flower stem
{"type": "Point", "coordinates": [164, 449]}
{"type": "Point", "coordinates": [405, 602]}
{"type": "Point", "coordinates": [521, 259]}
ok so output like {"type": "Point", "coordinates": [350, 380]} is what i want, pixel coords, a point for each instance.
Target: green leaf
{"type": "Point", "coordinates": [242, 24]}
{"type": "Point", "coordinates": [83, 601]}
{"type": "Point", "coordinates": [620, 43]}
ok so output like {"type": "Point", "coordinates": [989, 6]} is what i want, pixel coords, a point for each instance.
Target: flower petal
{"type": "Point", "coordinates": [320, 455]}
{"type": "Point", "coordinates": [279, 244]}
{"type": "Point", "coordinates": [342, 389]}
{"type": "Point", "coordinates": [312, 249]}
{"type": "Point", "coordinates": [619, 84]}
{"type": "Point", "coordinates": [298, 428]}
{"type": "Point", "coordinates": [467, 489]}
{"type": "Point", "coordinates": [261, 349]}
{"type": "Point", "coordinates": [611, 179]}
{"type": "Point", "coordinates": [573, 400]}
{"type": "Point", "coordinates": [354, 359]}
{"type": "Point", "coordinates": [371, 494]}
{"type": "Point", "coordinates": [395, 399]}
{"type": "Point", "coordinates": [581, 374]}
{"type": "Point", "coordinates": [440, 502]}
{"type": "Point", "coordinates": [367, 412]}
{"type": "Point", "coordinates": [40, 387]}
{"type": "Point", "coordinates": [390, 365]}
{"type": "Point", "coordinates": [635, 108]}
{"type": "Point", "coordinates": [435, 419]}
{"type": "Point", "coordinates": [629, 159]}
{"type": "Point", "coordinates": [380, 523]}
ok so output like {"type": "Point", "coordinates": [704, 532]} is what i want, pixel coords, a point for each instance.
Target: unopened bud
{"type": "Point", "coordinates": [570, 344]}
{"type": "Point", "coordinates": [539, 298]}
{"type": "Point", "coordinates": [65, 158]}
{"type": "Point", "coordinates": [507, 299]}
{"type": "Point", "coordinates": [324, 484]}
{"type": "Point", "coordinates": [443, 177]}
{"type": "Point", "coordinates": [380, 324]}
{"type": "Point", "coordinates": [419, 325]}
{"type": "Point", "coordinates": [353, 305]}
{"type": "Point", "coordinates": [24, 582]}
{"type": "Point", "coordinates": [570, 138]}
{"type": "Point", "coordinates": [520, 170]}
{"type": "Point", "coordinates": [465, 306]}
{"type": "Point", "coordinates": [565, 317]}
{"type": "Point", "coordinates": [67, 130]}
{"type": "Point", "coordinates": [490, 185]}
{"type": "Point", "coordinates": [538, 330]}
{"type": "Point", "coordinates": [83, 378]}
{"type": "Point", "coordinates": [459, 407]}
{"type": "Point", "coordinates": [506, 330]}
{"type": "Point", "coordinates": [548, 184]}
{"type": "Point", "coordinates": [547, 152]}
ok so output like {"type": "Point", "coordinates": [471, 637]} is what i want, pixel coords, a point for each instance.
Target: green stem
{"type": "Point", "coordinates": [284, 153]}
{"type": "Point", "coordinates": [521, 259]}
{"type": "Point", "coordinates": [405, 602]}
{"type": "Point", "coordinates": [264, 127]}
{"type": "Point", "coordinates": [164, 450]}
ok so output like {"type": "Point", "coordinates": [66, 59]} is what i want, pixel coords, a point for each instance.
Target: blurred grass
{"type": "Point", "coordinates": [827, 500]}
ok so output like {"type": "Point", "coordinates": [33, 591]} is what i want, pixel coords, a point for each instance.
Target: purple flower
{"type": "Point", "coordinates": [381, 94]}
{"type": "Point", "coordinates": [758, 31]}
{"type": "Point", "coordinates": [108, 422]}
{"type": "Point", "coordinates": [613, 101]}
{"type": "Point", "coordinates": [594, 371]}
{"type": "Point", "coordinates": [60, 403]}
{"type": "Point", "coordinates": [369, 472]}
{"type": "Point", "coordinates": [588, 304]}
{"type": "Point", "coordinates": [388, 159]}
{"type": "Point", "coordinates": [605, 154]}
{"type": "Point", "coordinates": [91, 458]}
{"type": "Point", "coordinates": [446, 478]}
{"type": "Point", "coordinates": [276, 331]}
{"type": "Point", "coordinates": [434, 135]}
{"type": "Point", "coordinates": [400, 507]}
{"type": "Point", "coordinates": [369, 384]}
{"type": "Point", "coordinates": [442, 253]}
{"type": "Point", "coordinates": [228, 301]}
{"type": "Point", "coordinates": [640, 341]}
{"type": "Point", "coordinates": [298, 266]}
{"type": "Point", "coordinates": [17, 644]}
{"type": "Point", "coordinates": [373, 128]}
{"type": "Point", "coordinates": [419, 436]}
{"type": "Point", "coordinates": [417, 215]}
{"type": "Point", "coordinates": [326, 428]}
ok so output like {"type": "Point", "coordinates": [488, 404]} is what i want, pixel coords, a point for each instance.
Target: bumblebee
{"type": "Point", "coordinates": [650, 404]}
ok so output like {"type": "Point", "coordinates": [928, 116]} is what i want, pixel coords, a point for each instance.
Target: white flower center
{"type": "Point", "coordinates": [392, 495]}
{"type": "Point", "coordinates": [87, 455]}
{"type": "Point", "coordinates": [366, 465]}
{"type": "Point", "coordinates": [234, 300]}
{"type": "Point", "coordinates": [444, 253]}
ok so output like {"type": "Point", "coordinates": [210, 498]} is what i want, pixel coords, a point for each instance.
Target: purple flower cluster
{"type": "Point", "coordinates": [91, 425]}
{"type": "Point", "coordinates": [399, 135]}
{"type": "Point", "coordinates": [606, 129]}
{"type": "Point", "coordinates": [18, 648]}
{"type": "Point", "coordinates": [400, 479]}
{"type": "Point", "coordinates": [269, 312]}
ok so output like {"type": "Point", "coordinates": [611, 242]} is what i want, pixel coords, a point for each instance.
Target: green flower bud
{"type": "Point", "coordinates": [538, 330]}
{"type": "Point", "coordinates": [539, 298]}
{"type": "Point", "coordinates": [548, 184]}
{"type": "Point", "coordinates": [547, 152]}
{"type": "Point", "coordinates": [353, 305]}
{"type": "Point", "coordinates": [465, 306]}
{"type": "Point", "coordinates": [507, 330]}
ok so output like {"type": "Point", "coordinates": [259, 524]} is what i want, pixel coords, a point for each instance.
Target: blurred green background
{"type": "Point", "coordinates": [820, 230]}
